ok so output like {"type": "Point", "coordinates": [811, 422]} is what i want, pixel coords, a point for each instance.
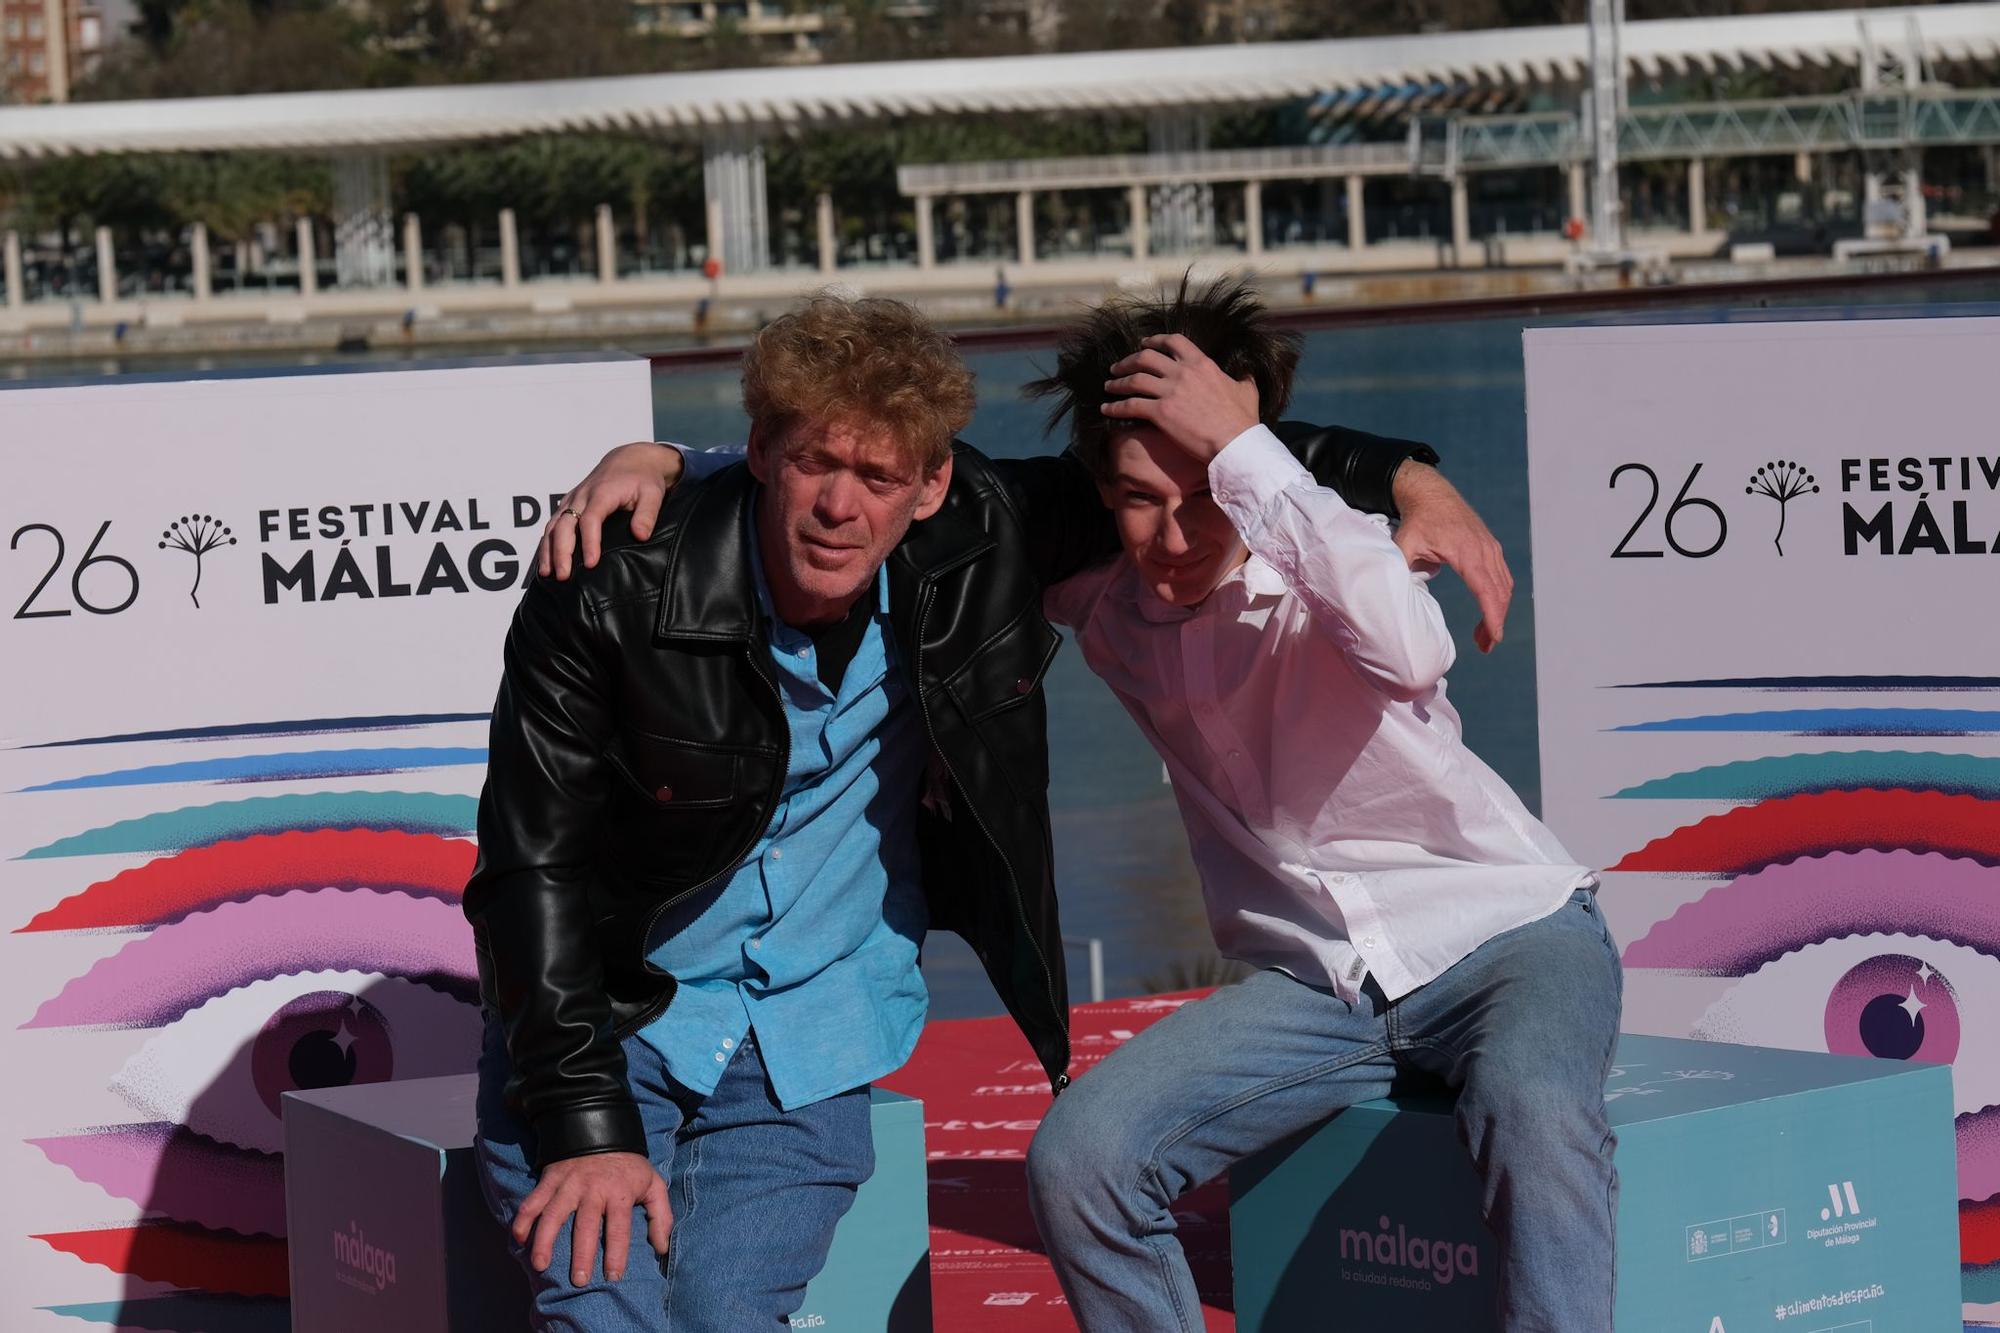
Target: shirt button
{"type": "Point", "coordinates": [720, 1058]}
{"type": "Point", "coordinates": [1236, 754]}
{"type": "Point", "coordinates": [1367, 941]}
{"type": "Point", "coordinates": [756, 944]}
{"type": "Point", "coordinates": [777, 853]}
{"type": "Point", "coordinates": [663, 794]}
{"type": "Point", "coordinates": [1023, 685]}
{"type": "Point", "coordinates": [803, 652]}
{"type": "Point", "coordinates": [728, 1043]}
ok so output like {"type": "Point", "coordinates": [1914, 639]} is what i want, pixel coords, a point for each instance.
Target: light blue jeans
{"type": "Point", "coordinates": [755, 1192]}
{"type": "Point", "coordinates": [1523, 1030]}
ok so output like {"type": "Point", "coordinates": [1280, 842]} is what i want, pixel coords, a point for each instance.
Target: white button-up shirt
{"type": "Point", "coordinates": [1338, 822]}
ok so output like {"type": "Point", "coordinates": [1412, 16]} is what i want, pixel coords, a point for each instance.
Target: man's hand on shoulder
{"type": "Point", "coordinates": [634, 476]}
{"type": "Point", "coordinates": [1439, 528]}
{"type": "Point", "coordinates": [1170, 383]}
{"type": "Point", "coordinates": [600, 1190]}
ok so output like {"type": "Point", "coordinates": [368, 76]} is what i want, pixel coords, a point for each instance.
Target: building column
{"type": "Point", "coordinates": [16, 298]}
{"type": "Point", "coordinates": [364, 237]}
{"type": "Point", "coordinates": [1253, 217]}
{"type": "Point", "coordinates": [55, 48]}
{"type": "Point", "coordinates": [1802, 168]}
{"type": "Point", "coordinates": [204, 275]}
{"type": "Point", "coordinates": [926, 239]}
{"type": "Point", "coordinates": [1461, 221]}
{"type": "Point", "coordinates": [607, 245]}
{"type": "Point", "coordinates": [308, 259]}
{"type": "Point", "coordinates": [413, 253]}
{"type": "Point", "coordinates": [107, 266]}
{"type": "Point", "coordinates": [1357, 214]}
{"type": "Point", "coordinates": [1915, 210]}
{"type": "Point", "coordinates": [1024, 225]}
{"type": "Point", "coordinates": [732, 173]}
{"type": "Point", "coordinates": [510, 250]}
{"type": "Point", "coordinates": [829, 256]}
{"type": "Point", "coordinates": [1697, 196]}
{"type": "Point", "coordinates": [1579, 202]}
{"type": "Point", "coordinates": [1136, 210]}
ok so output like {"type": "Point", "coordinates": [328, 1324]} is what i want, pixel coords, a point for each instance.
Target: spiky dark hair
{"type": "Point", "coordinates": [1225, 319]}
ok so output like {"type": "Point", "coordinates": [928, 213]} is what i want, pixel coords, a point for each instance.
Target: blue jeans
{"type": "Point", "coordinates": [755, 1192]}
{"type": "Point", "coordinates": [1523, 1030]}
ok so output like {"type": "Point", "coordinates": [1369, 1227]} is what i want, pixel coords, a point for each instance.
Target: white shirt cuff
{"type": "Point", "coordinates": [1251, 471]}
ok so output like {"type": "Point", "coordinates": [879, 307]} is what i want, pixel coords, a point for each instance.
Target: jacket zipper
{"type": "Point", "coordinates": [1020, 906]}
{"type": "Point", "coordinates": [652, 1011]}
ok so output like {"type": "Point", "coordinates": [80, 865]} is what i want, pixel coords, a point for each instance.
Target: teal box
{"type": "Point", "coordinates": [1758, 1189]}
{"type": "Point", "coordinates": [388, 1230]}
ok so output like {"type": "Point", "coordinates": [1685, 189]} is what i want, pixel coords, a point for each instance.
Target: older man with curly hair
{"type": "Point", "coordinates": [740, 762]}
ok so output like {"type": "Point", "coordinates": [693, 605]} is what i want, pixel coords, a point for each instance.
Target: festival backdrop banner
{"type": "Point", "coordinates": [1767, 614]}
{"type": "Point", "coordinates": [253, 634]}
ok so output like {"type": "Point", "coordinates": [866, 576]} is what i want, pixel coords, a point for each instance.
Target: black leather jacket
{"type": "Point", "coordinates": [638, 747]}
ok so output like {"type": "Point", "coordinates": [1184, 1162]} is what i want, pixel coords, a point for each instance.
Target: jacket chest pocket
{"type": "Point", "coordinates": [1007, 669]}
{"type": "Point", "coordinates": [677, 808]}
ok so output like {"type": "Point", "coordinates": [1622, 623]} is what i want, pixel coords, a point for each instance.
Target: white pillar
{"type": "Point", "coordinates": [829, 258]}
{"type": "Point", "coordinates": [308, 261]}
{"type": "Point", "coordinates": [107, 266]}
{"type": "Point", "coordinates": [413, 253]}
{"type": "Point", "coordinates": [1802, 168]}
{"type": "Point", "coordinates": [1697, 196]}
{"type": "Point", "coordinates": [1461, 221]}
{"type": "Point", "coordinates": [204, 279]}
{"type": "Point", "coordinates": [1357, 216]}
{"type": "Point", "coordinates": [510, 250]}
{"type": "Point", "coordinates": [607, 245]}
{"type": "Point", "coordinates": [1136, 208]}
{"type": "Point", "coordinates": [1579, 203]}
{"type": "Point", "coordinates": [1024, 225]}
{"type": "Point", "coordinates": [712, 221]}
{"type": "Point", "coordinates": [1253, 217]}
{"type": "Point", "coordinates": [16, 298]}
{"type": "Point", "coordinates": [733, 178]}
{"type": "Point", "coordinates": [364, 231]}
{"type": "Point", "coordinates": [1914, 207]}
{"type": "Point", "coordinates": [926, 242]}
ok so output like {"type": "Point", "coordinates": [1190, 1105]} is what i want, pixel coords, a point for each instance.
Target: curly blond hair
{"type": "Point", "coordinates": [871, 359]}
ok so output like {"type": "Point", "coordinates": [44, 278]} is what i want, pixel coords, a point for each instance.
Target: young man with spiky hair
{"type": "Point", "coordinates": [1406, 915]}
{"type": "Point", "coordinates": [740, 763]}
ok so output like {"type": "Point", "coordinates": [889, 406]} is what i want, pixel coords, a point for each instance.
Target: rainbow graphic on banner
{"type": "Point", "coordinates": [1857, 902]}
{"type": "Point", "coordinates": [302, 940]}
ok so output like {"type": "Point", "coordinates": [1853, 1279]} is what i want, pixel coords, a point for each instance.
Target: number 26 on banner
{"type": "Point", "coordinates": [1677, 517]}
{"type": "Point", "coordinates": [126, 576]}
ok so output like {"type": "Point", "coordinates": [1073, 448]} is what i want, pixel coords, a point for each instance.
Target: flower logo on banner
{"type": "Point", "coordinates": [1783, 482]}
{"type": "Point", "coordinates": [1854, 903]}
{"type": "Point", "coordinates": [197, 535]}
{"type": "Point", "coordinates": [305, 940]}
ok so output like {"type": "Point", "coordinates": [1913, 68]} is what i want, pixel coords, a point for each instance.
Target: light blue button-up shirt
{"type": "Point", "coordinates": [812, 942]}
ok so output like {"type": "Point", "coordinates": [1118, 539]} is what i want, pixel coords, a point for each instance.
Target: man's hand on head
{"type": "Point", "coordinates": [634, 476]}
{"type": "Point", "coordinates": [1170, 383]}
{"type": "Point", "coordinates": [1440, 528]}
{"type": "Point", "coordinates": [600, 1191]}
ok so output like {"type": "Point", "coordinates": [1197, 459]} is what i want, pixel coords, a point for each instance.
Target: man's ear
{"type": "Point", "coordinates": [931, 498]}
{"type": "Point", "coordinates": [759, 453]}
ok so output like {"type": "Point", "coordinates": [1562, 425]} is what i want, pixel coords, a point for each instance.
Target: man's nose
{"type": "Point", "coordinates": [838, 500]}
{"type": "Point", "coordinates": [1173, 538]}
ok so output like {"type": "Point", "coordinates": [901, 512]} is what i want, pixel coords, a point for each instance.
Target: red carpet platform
{"type": "Point", "coordinates": [983, 1095]}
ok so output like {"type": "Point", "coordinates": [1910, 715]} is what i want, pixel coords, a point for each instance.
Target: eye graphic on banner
{"type": "Point", "coordinates": [310, 939]}
{"type": "Point", "coordinates": [1858, 908]}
